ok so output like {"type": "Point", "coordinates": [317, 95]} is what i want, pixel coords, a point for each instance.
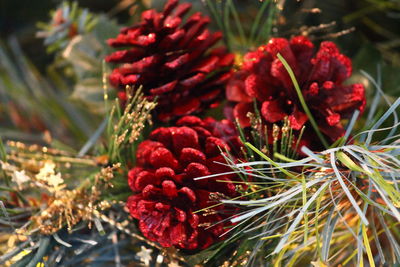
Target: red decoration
{"type": "Point", "coordinates": [167, 194]}
{"type": "Point", "coordinates": [172, 61]}
{"type": "Point", "coordinates": [320, 76]}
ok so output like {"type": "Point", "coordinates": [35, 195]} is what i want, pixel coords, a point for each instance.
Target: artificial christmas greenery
{"type": "Point", "coordinates": [291, 159]}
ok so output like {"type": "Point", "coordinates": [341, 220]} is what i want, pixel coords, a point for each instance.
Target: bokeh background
{"type": "Point", "coordinates": [376, 21]}
{"type": "Point", "coordinates": [33, 84]}
{"type": "Point", "coordinates": [19, 19]}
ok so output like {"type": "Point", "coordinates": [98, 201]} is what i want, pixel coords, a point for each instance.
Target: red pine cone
{"type": "Point", "coordinates": [320, 76]}
{"type": "Point", "coordinates": [167, 194]}
{"type": "Point", "coordinates": [172, 61]}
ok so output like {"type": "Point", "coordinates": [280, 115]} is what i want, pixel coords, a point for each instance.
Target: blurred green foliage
{"type": "Point", "coordinates": [373, 44]}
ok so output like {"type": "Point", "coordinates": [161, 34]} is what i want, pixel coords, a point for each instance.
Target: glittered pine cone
{"type": "Point", "coordinates": [166, 195]}
{"type": "Point", "coordinates": [172, 60]}
{"type": "Point", "coordinates": [320, 76]}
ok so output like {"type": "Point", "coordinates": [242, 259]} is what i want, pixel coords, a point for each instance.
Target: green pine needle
{"type": "Point", "coordinates": [3, 154]}
{"type": "Point", "coordinates": [302, 101]}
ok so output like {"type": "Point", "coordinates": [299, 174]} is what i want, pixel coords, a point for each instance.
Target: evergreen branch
{"type": "Point", "coordinates": [257, 20]}
{"type": "Point", "coordinates": [236, 35]}
{"type": "Point", "coordinates": [314, 203]}
{"type": "Point", "coordinates": [266, 29]}
{"type": "Point", "coordinates": [238, 23]}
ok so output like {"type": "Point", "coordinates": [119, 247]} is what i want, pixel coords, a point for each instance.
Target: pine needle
{"type": "Point", "coordinates": [302, 101]}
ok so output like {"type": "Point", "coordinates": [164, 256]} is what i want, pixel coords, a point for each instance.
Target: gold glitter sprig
{"type": "Point", "coordinates": [69, 207]}
{"type": "Point", "coordinates": [128, 127]}
{"type": "Point", "coordinates": [34, 169]}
